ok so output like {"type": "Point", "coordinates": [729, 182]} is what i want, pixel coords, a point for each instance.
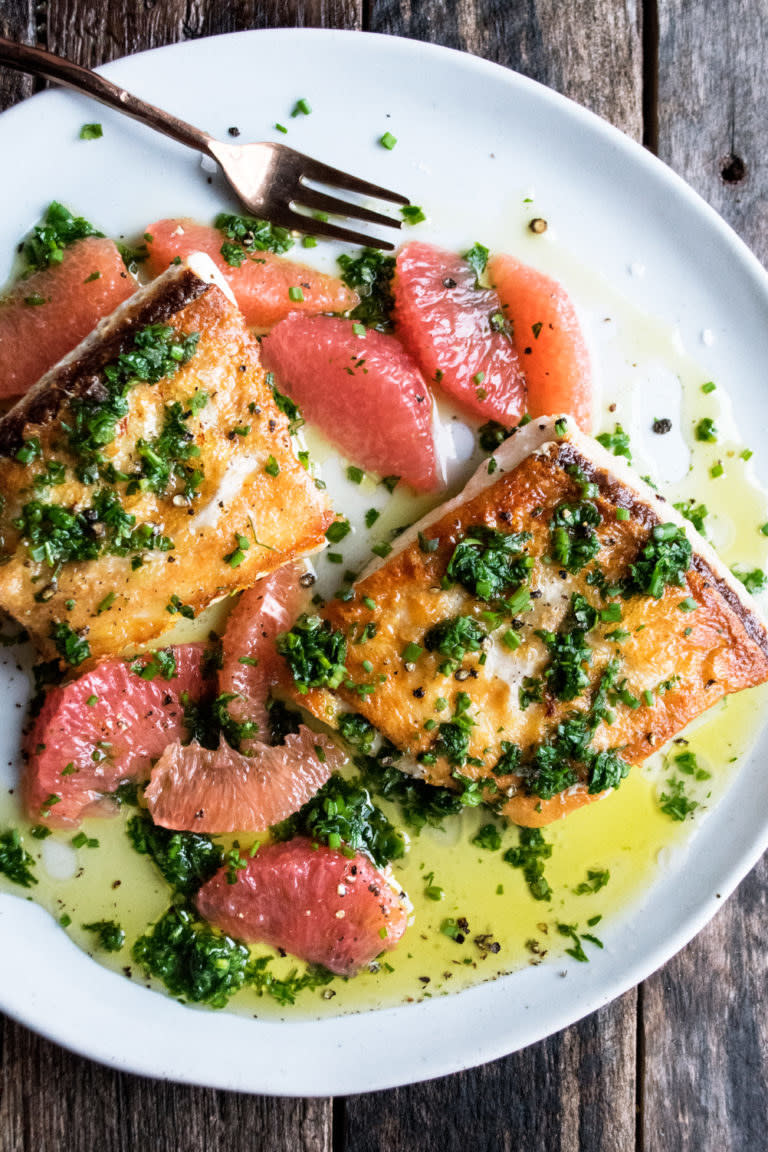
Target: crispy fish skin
{"type": "Point", "coordinates": [702, 655]}
{"type": "Point", "coordinates": [240, 434]}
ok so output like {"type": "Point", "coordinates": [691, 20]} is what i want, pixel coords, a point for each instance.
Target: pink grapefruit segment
{"type": "Point", "coordinates": [452, 330]}
{"type": "Point", "coordinates": [251, 663]}
{"type": "Point", "coordinates": [311, 901]}
{"type": "Point", "coordinates": [263, 281]}
{"type": "Point", "coordinates": [548, 338]}
{"type": "Point", "coordinates": [363, 391]}
{"type": "Point", "coordinates": [195, 789]}
{"type": "Point", "coordinates": [101, 729]}
{"type": "Point", "coordinates": [48, 313]}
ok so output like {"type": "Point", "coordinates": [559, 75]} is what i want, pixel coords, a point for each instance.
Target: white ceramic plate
{"type": "Point", "coordinates": [474, 139]}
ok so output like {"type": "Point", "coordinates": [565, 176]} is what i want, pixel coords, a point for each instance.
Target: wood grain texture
{"type": "Point", "coordinates": [52, 1101]}
{"type": "Point", "coordinates": [705, 1035]}
{"type": "Point", "coordinates": [705, 1026]}
{"type": "Point", "coordinates": [575, 1092]}
{"type": "Point", "coordinates": [17, 22]}
{"type": "Point", "coordinates": [590, 50]}
{"type": "Point", "coordinates": [92, 33]}
{"type": "Point", "coordinates": [713, 106]}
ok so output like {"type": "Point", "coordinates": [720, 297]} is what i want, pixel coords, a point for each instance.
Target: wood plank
{"type": "Point", "coordinates": [590, 50]}
{"type": "Point", "coordinates": [81, 30]}
{"type": "Point", "coordinates": [705, 1035]}
{"type": "Point", "coordinates": [17, 22]}
{"type": "Point", "coordinates": [575, 1092]}
{"type": "Point", "coordinates": [705, 1029]}
{"type": "Point", "coordinates": [52, 1101]}
{"type": "Point", "coordinates": [713, 106]}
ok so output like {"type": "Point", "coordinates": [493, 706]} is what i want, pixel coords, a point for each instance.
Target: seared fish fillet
{"type": "Point", "coordinates": [532, 638]}
{"type": "Point", "coordinates": [149, 472]}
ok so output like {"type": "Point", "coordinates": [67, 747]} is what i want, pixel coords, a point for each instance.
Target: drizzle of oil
{"type": "Point", "coordinates": [627, 833]}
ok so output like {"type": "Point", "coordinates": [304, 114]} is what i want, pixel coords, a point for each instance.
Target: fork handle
{"type": "Point", "coordinates": [23, 58]}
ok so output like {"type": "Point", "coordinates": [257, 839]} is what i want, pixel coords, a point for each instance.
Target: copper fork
{"type": "Point", "coordinates": [272, 180]}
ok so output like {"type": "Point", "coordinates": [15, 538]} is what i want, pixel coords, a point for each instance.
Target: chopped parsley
{"type": "Point", "coordinates": [455, 637]}
{"type": "Point", "coordinates": [158, 352]}
{"type": "Point", "coordinates": [253, 234]}
{"type": "Point", "coordinates": [287, 407]}
{"type": "Point", "coordinates": [175, 606]}
{"type": "Point", "coordinates": [597, 878]}
{"type": "Point", "coordinates": [194, 961]}
{"type": "Point", "coordinates": [488, 837]}
{"type": "Point", "coordinates": [663, 560]}
{"type": "Point", "coordinates": [70, 645]}
{"type": "Point", "coordinates": [706, 431]}
{"type": "Point", "coordinates": [236, 557]}
{"type": "Point", "coordinates": [357, 731]}
{"type": "Point", "coordinates": [573, 537]}
{"type": "Point", "coordinates": [477, 258]}
{"type": "Point", "coordinates": [577, 948]}
{"type": "Point", "coordinates": [161, 662]}
{"type": "Point", "coordinates": [314, 652]}
{"type": "Point", "coordinates": [412, 214]}
{"type": "Point", "coordinates": [487, 562]}
{"type": "Point", "coordinates": [30, 450]}
{"type": "Point", "coordinates": [565, 675]}
{"type": "Point", "coordinates": [336, 532]}
{"type": "Point", "coordinates": [342, 815]}
{"type": "Point", "coordinates": [185, 859]}
{"type": "Point", "coordinates": [110, 937]}
{"type": "Point", "coordinates": [754, 580]}
{"type": "Point", "coordinates": [235, 731]}
{"type": "Point", "coordinates": [616, 442]}
{"type": "Point", "coordinates": [696, 513]}
{"type": "Point", "coordinates": [15, 862]}
{"type": "Point", "coordinates": [55, 232]}
{"type": "Point", "coordinates": [370, 275]}
{"type": "Point", "coordinates": [453, 735]}
{"type": "Point", "coordinates": [91, 132]}
{"type": "Point", "coordinates": [675, 803]}
{"type": "Point", "coordinates": [419, 803]}
{"type": "Point", "coordinates": [55, 535]}
{"type": "Point", "coordinates": [529, 856]}
{"type": "Point", "coordinates": [165, 460]}
{"type": "Point", "coordinates": [491, 435]}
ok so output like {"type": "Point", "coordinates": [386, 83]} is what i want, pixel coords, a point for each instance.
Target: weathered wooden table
{"type": "Point", "coordinates": [682, 1061]}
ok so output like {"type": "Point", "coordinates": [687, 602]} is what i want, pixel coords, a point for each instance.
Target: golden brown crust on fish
{"type": "Point", "coordinates": [254, 508]}
{"type": "Point", "coordinates": [672, 660]}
